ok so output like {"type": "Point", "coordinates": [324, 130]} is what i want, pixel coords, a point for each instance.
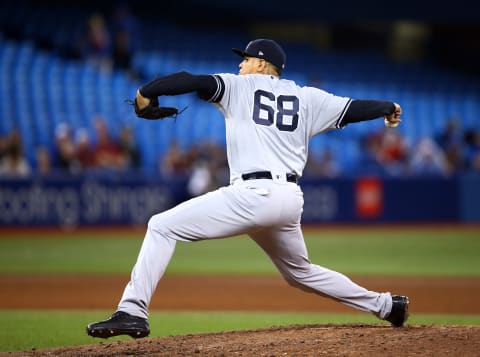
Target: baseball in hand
{"type": "Point", "coordinates": [392, 120]}
{"type": "Point", "coordinates": [390, 124]}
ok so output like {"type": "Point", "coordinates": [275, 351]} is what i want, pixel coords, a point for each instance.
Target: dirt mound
{"type": "Point", "coordinates": [305, 340]}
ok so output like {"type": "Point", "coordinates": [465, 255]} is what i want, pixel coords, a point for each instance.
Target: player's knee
{"type": "Point", "coordinates": [290, 281]}
{"type": "Point", "coordinates": [298, 283]}
{"type": "Point", "coordinates": [157, 223]}
{"type": "Point", "coordinates": [296, 278]}
{"type": "Point", "coordinates": [152, 222]}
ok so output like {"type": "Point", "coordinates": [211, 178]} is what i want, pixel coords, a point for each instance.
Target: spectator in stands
{"type": "Point", "coordinates": [174, 162]}
{"type": "Point", "coordinates": [323, 166]}
{"type": "Point", "coordinates": [428, 159]}
{"type": "Point", "coordinates": [13, 163]}
{"type": "Point", "coordinates": [107, 153]}
{"type": "Point", "coordinates": [208, 168]}
{"type": "Point", "coordinates": [122, 56]}
{"type": "Point", "coordinates": [44, 162]}
{"type": "Point", "coordinates": [369, 162]}
{"type": "Point", "coordinates": [219, 164]}
{"type": "Point", "coordinates": [451, 142]}
{"type": "Point", "coordinates": [201, 178]}
{"type": "Point", "coordinates": [129, 148]}
{"type": "Point", "coordinates": [83, 150]}
{"type": "Point", "coordinates": [3, 146]}
{"type": "Point", "coordinates": [472, 150]}
{"type": "Point", "coordinates": [392, 153]}
{"type": "Point", "coordinates": [97, 47]}
{"type": "Point", "coordinates": [64, 157]}
{"type": "Point", "coordinates": [124, 28]}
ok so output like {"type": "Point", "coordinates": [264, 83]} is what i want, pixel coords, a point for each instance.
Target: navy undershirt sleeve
{"type": "Point", "coordinates": [361, 110]}
{"type": "Point", "coordinates": [206, 86]}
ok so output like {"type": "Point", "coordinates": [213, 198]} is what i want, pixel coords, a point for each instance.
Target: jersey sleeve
{"type": "Point", "coordinates": [228, 93]}
{"type": "Point", "coordinates": [327, 110]}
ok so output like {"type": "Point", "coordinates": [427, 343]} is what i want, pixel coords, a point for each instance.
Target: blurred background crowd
{"type": "Point", "coordinates": [66, 72]}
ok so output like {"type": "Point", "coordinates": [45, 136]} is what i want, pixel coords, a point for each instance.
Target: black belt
{"type": "Point", "coordinates": [267, 175]}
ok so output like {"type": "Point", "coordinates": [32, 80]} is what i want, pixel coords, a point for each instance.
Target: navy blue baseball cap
{"type": "Point", "coordinates": [265, 49]}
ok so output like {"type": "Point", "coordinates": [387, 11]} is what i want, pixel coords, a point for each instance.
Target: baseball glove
{"type": "Point", "coordinates": [153, 111]}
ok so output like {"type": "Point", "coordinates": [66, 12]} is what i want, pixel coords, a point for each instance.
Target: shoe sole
{"type": "Point", "coordinates": [106, 333]}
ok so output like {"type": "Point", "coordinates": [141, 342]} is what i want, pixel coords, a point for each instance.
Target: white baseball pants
{"type": "Point", "coordinates": [269, 211]}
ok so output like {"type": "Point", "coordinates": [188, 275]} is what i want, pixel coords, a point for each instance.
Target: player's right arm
{"type": "Point", "coordinates": [329, 111]}
{"type": "Point", "coordinates": [208, 87]}
{"type": "Point", "coordinates": [361, 110]}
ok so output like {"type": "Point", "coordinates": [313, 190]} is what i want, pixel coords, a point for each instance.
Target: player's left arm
{"type": "Point", "coordinates": [208, 87]}
{"type": "Point", "coordinates": [362, 110]}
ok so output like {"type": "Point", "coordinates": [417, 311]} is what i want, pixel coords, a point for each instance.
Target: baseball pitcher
{"type": "Point", "coordinates": [269, 122]}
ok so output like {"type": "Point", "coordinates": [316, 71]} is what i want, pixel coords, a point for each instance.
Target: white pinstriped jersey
{"type": "Point", "coordinates": [269, 122]}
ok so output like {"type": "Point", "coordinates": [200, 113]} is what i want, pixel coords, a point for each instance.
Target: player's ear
{"type": "Point", "coordinates": [262, 65]}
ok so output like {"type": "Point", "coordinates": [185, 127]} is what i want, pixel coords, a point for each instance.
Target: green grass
{"type": "Point", "coordinates": [44, 329]}
{"type": "Point", "coordinates": [397, 251]}
{"type": "Point", "coordinates": [84, 253]}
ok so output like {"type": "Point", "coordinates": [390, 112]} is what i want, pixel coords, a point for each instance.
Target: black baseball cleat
{"type": "Point", "coordinates": [120, 323]}
{"type": "Point", "coordinates": [399, 313]}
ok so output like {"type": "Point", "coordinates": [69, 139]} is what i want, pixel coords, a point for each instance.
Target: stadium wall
{"type": "Point", "coordinates": [110, 200]}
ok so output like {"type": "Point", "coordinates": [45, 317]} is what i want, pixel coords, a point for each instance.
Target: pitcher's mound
{"type": "Point", "coordinates": [306, 340]}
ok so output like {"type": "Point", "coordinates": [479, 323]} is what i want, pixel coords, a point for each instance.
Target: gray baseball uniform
{"type": "Point", "coordinates": [269, 122]}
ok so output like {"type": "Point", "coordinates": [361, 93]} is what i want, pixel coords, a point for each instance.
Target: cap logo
{"type": "Point", "coordinates": [260, 53]}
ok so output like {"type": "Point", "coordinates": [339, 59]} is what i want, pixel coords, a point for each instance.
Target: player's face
{"type": "Point", "coordinates": [251, 65]}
